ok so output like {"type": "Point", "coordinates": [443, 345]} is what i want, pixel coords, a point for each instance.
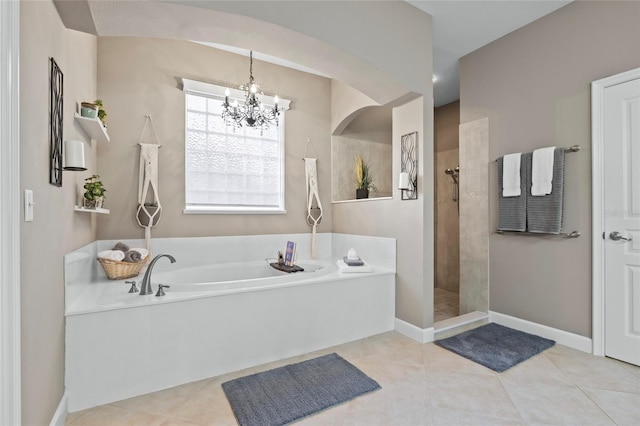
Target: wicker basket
{"type": "Point", "coordinates": [117, 270]}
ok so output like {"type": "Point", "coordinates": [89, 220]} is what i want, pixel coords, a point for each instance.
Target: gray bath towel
{"type": "Point", "coordinates": [544, 214]}
{"type": "Point", "coordinates": [132, 256]}
{"type": "Point", "coordinates": [512, 211]}
{"type": "Point", "coordinates": [121, 246]}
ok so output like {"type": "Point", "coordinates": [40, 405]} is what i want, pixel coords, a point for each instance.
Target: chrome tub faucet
{"type": "Point", "coordinates": [146, 281]}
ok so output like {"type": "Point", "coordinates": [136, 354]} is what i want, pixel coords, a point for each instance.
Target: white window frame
{"type": "Point", "coordinates": [213, 90]}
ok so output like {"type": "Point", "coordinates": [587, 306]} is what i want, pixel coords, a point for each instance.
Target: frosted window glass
{"type": "Point", "coordinates": [198, 196]}
{"type": "Point", "coordinates": [197, 121]}
{"type": "Point", "coordinates": [218, 162]}
{"type": "Point", "coordinates": [196, 103]}
{"type": "Point", "coordinates": [197, 141]}
{"type": "Point", "coordinates": [227, 167]}
{"type": "Point", "coordinates": [199, 181]}
{"type": "Point", "coordinates": [196, 161]}
{"type": "Point", "coordinates": [214, 106]}
{"type": "Point", "coordinates": [255, 182]}
{"type": "Point", "coordinates": [217, 182]}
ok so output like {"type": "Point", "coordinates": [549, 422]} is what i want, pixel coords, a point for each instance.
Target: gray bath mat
{"type": "Point", "coordinates": [495, 346]}
{"type": "Point", "coordinates": [285, 394]}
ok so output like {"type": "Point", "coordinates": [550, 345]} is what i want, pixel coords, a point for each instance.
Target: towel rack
{"type": "Point", "coordinates": [573, 234]}
{"type": "Point", "coordinates": [574, 148]}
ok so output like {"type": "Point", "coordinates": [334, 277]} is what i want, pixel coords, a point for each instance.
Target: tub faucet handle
{"type": "Point", "coordinates": [133, 288]}
{"type": "Point", "coordinates": [161, 288]}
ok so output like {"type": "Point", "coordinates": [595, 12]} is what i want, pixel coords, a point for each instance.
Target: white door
{"type": "Point", "coordinates": [621, 137]}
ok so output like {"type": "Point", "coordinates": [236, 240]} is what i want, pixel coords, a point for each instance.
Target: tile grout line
{"type": "Point", "coordinates": [597, 405]}
{"type": "Point", "coordinates": [511, 399]}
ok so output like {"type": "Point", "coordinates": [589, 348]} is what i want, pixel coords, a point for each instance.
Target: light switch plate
{"type": "Point", "coordinates": [28, 205]}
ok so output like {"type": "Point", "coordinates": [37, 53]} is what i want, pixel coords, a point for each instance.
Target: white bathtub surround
{"type": "Point", "coordinates": [120, 345]}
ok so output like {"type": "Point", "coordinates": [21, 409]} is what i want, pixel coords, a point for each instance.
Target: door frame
{"type": "Point", "coordinates": [597, 204]}
{"type": "Point", "coordinates": [10, 386]}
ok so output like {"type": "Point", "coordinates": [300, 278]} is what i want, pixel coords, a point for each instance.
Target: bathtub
{"type": "Point", "coordinates": [216, 317]}
{"type": "Point", "coordinates": [242, 273]}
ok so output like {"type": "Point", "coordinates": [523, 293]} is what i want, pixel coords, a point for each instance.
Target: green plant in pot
{"type": "Point", "coordinates": [102, 114]}
{"type": "Point", "coordinates": [364, 178]}
{"type": "Point", "coordinates": [94, 192]}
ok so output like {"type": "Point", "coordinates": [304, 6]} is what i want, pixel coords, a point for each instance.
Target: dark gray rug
{"type": "Point", "coordinates": [495, 346]}
{"type": "Point", "coordinates": [285, 394]}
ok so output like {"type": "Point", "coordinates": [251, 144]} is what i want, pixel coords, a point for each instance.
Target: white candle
{"type": "Point", "coordinates": [403, 182]}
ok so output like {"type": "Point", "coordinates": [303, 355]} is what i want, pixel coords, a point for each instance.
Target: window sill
{"type": "Point", "coordinates": [232, 210]}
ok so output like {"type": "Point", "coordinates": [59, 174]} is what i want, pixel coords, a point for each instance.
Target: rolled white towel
{"type": "Point", "coordinates": [143, 252]}
{"type": "Point", "coordinates": [111, 255]}
{"type": "Point", "coordinates": [352, 254]}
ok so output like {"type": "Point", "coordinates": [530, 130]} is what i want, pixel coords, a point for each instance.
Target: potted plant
{"type": "Point", "coordinates": [94, 192]}
{"type": "Point", "coordinates": [102, 114]}
{"type": "Point", "coordinates": [364, 179]}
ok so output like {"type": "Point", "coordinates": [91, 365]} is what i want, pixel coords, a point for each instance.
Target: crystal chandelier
{"type": "Point", "coordinates": [251, 113]}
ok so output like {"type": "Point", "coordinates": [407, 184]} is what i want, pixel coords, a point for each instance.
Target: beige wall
{"type": "Point", "coordinates": [534, 85]}
{"type": "Point", "coordinates": [347, 104]}
{"type": "Point", "coordinates": [372, 124]}
{"type": "Point", "coordinates": [411, 222]}
{"type": "Point", "coordinates": [446, 120]}
{"type": "Point", "coordinates": [381, 48]}
{"type": "Point", "coordinates": [56, 228]}
{"type": "Point", "coordinates": [139, 76]}
{"type": "Point", "coordinates": [403, 220]}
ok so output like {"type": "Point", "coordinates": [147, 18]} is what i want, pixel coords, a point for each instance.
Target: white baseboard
{"type": "Point", "coordinates": [61, 413]}
{"type": "Point", "coordinates": [420, 335]}
{"type": "Point", "coordinates": [565, 338]}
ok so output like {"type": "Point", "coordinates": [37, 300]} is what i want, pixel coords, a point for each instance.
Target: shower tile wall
{"type": "Point", "coordinates": [474, 216]}
{"type": "Point", "coordinates": [447, 241]}
{"type": "Point", "coordinates": [447, 224]}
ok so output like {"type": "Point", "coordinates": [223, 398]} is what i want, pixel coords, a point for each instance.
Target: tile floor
{"type": "Point", "coordinates": [445, 304]}
{"type": "Point", "coordinates": [422, 384]}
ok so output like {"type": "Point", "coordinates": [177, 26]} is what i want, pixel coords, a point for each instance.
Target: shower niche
{"type": "Point", "coordinates": [367, 136]}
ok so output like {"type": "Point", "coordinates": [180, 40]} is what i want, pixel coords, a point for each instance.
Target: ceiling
{"type": "Point", "coordinates": [459, 28]}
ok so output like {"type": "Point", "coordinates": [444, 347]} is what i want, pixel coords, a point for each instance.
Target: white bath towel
{"type": "Point", "coordinates": [111, 255]}
{"type": "Point", "coordinates": [542, 171]}
{"type": "Point", "coordinates": [511, 175]}
{"type": "Point", "coordinates": [143, 252]}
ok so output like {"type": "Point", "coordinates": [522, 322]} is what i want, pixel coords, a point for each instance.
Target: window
{"type": "Point", "coordinates": [230, 170]}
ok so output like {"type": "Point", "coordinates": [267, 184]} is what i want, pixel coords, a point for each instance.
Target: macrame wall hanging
{"type": "Point", "coordinates": [149, 208]}
{"type": "Point", "coordinates": [314, 206]}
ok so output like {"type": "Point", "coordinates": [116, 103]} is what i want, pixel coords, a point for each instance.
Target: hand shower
{"type": "Point", "coordinates": [454, 176]}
